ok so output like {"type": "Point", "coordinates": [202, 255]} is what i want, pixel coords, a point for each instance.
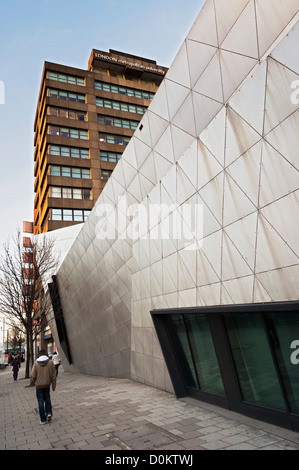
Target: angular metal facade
{"type": "Point", "coordinates": [220, 138]}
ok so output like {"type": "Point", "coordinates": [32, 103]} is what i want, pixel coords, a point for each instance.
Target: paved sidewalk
{"type": "Point", "coordinates": [95, 413]}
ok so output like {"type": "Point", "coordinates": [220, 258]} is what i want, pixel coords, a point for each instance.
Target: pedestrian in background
{"type": "Point", "coordinates": [43, 375]}
{"type": "Point", "coordinates": [56, 360]}
{"type": "Point", "coordinates": [16, 364]}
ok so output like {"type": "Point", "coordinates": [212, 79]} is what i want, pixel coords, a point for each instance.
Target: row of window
{"type": "Point", "coordinates": [61, 77]}
{"type": "Point", "coordinates": [110, 156]}
{"type": "Point", "coordinates": [67, 113]}
{"type": "Point", "coordinates": [60, 151]}
{"type": "Point", "coordinates": [73, 152]}
{"type": "Point", "coordinates": [132, 78]}
{"type": "Point", "coordinates": [114, 139]}
{"type": "Point", "coordinates": [67, 96]}
{"type": "Point", "coordinates": [67, 172]}
{"type": "Point", "coordinates": [130, 108]}
{"type": "Point", "coordinates": [123, 90]}
{"type": "Point", "coordinates": [70, 193]}
{"type": "Point", "coordinates": [117, 122]}
{"type": "Point", "coordinates": [67, 132]}
{"type": "Point", "coordinates": [69, 215]}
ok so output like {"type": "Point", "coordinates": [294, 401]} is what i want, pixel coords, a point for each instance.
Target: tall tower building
{"type": "Point", "coordinates": [84, 120]}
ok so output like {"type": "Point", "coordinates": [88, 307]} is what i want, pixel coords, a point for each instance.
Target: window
{"type": "Point", "coordinates": [55, 192]}
{"type": "Point", "coordinates": [55, 171]}
{"type": "Point", "coordinates": [85, 174]}
{"type": "Point", "coordinates": [76, 173]}
{"type": "Point", "coordinates": [56, 214]}
{"type": "Point", "coordinates": [67, 114]}
{"type": "Point", "coordinates": [67, 193]}
{"type": "Point", "coordinates": [77, 193]}
{"type": "Point", "coordinates": [70, 193]}
{"type": "Point", "coordinates": [73, 152]}
{"type": "Point", "coordinates": [106, 174]}
{"type": "Point", "coordinates": [66, 132]}
{"type": "Point", "coordinates": [65, 171]}
{"type": "Point", "coordinates": [117, 122]}
{"type": "Point", "coordinates": [110, 156]}
{"type": "Point", "coordinates": [78, 216]}
{"type": "Point", "coordinates": [114, 139]}
{"type": "Point", "coordinates": [64, 95]}
{"type": "Point", "coordinates": [66, 78]}
{"type": "Point", "coordinates": [69, 215]}
{"type": "Point", "coordinates": [68, 172]}
{"type": "Point", "coordinates": [123, 90]}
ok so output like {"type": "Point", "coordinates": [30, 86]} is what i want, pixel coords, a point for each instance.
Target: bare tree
{"type": "Point", "coordinates": [25, 271]}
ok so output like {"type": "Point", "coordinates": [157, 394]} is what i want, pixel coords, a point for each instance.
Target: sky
{"type": "Point", "coordinates": [65, 32]}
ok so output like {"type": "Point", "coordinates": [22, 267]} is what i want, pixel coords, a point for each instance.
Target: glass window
{"type": "Point", "coordinates": [117, 122]}
{"type": "Point", "coordinates": [71, 80]}
{"type": "Point", "coordinates": [54, 130]}
{"type": "Point", "coordinates": [55, 170]}
{"type": "Point", "coordinates": [77, 193]}
{"type": "Point", "coordinates": [72, 115]}
{"type": "Point", "coordinates": [52, 76]}
{"type": "Point", "coordinates": [54, 150]}
{"type": "Point", "coordinates": [116, 105]}
{"type": "Point", "coordinates": [80, 82]}
{"type": "Point", "coordinates": [55, 192]}
{"type": "Point", "coordinates": [84, 153]}
{"type": "Point", "coordinates": [122, 91]}
{"type": "Point", "coordinates": [138, 94]}
{"type": "Point", "coordinates": [74, 134]}
{"type": "Point", "coordinates": [253, 360]}
{"type": "Point", "coordinates": [75, 153]}
{"type": "Point", "coordinates": [81, 116]}
{"type": "Point", "coordinates": [110, 139]}
{"type": "Point", "coordinates": [65, 171]}
{"type": "Point", "coordinates": [83, 135]}
{"type": "Point", "coordinates": [124, 107]}
{"type": "Point", "coordinates": [67, 215]}
{"type": "Point", "coordinates": [67, 193]}
{"type": "Point", "coordinates": [86, 193]}
{"type": "Point", "coordinates": [106, 87]}
{"type": "Point", "coordinates": [72, 97]}
{"type": "Point", "coordinates": [76, 173]}
{"type": "Point", "coordinates": [62, 78]}
{"type": "Point", "coordinates": [81, 98]}
{"type": "Point", "coordinates": [56, 214]}
{"type": "Point", "coordinates": [65, 151]}
{"type": "Point", "coordinates": [63, 95]}
{"type": "Point", "coordinates": [184, 354]}
{"type": "Point", "coordinates": [53, 93]}
{"type": "Point", "coordinates": [114, 89]}
{"type": "Point", "coordinates": [104, 156]}
{"type": "Point", "coordinates": [204, 356]}
{"type": "Point", "coordinates": [283, 330]}
{"type": "Point", "coordinates": [64, 132]}
{"type": "Point", "coordinates": [106, 174]}
{"type": "Point", "coordinates": [78, 216]}
{"type": "Point", "coordinates": [85, 173]}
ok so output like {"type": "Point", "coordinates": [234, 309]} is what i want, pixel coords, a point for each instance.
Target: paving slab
{"type": "Point", "coordinates": [120, 415]}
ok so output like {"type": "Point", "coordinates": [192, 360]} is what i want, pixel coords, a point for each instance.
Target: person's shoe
{"type": "Point", "coordinates": [49, 418]}
{"type": "Point", "coordinates": [43, 422]}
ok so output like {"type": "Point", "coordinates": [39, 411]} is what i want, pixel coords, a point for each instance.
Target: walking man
{"type": "Point", "coordinates": [43, 375]}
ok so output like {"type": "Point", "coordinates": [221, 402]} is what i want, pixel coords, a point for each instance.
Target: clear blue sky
{"type": "Point", "coordinates": [34, 31]}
